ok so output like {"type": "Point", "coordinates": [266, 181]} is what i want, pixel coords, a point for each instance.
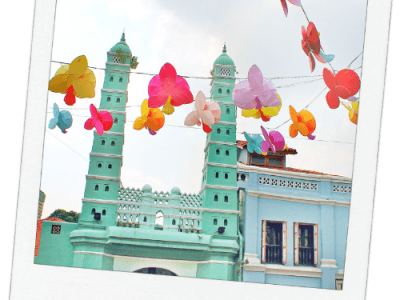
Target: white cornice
{"type": "Point", "coordinates": [223, 102]}
{"type": "Point", "coordinates": [118, 71]}
{"type": "Point", "coordinates": [115, 53]}
{"type": "Point", "coordinates": [329, 263]}
{"type": "Point", "coordinates": [225, 66]}
{"type": "Point", "coordinates": [283, 173]}
{"type": "Point", "coordinates": [113, 133]}
{"type": "Point", "coordinates": [226, 123]}
{"type": "Point", "coordinates": [158, 259]}
{"type": "Point", "coordinates": [339, 274]}
{"type": "Point", "coordinates": [106, 155]}
{"type": "Point", "coordinates": [113, 112]}
{"type": "Point", "coordinates": [116, 64]}
{"type": "Point", "coordinates": [218, 187]}
{"type": "Point", "coordinates": [219, 143]}
{"type": "Point", "coordinates": [100, 201]}
{"type": "Point", "coordinates": [224, 77]}
{"type": "Point", "coordinates": [221, 83]}
{"type": "Point", "coordinates": [221, 211]}
{"type": "Point", "coordinates": [103, 178]}
{"type": "Point", "coordinates": [114, 91]}
{"type": "Point", "coordinates": [297, 199]}
{"type": "Point", "coordinates": [284, 270]}
{"type": "Point", "coordinates": [218, 165]}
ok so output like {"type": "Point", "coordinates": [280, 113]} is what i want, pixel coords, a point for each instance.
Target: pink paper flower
{"type": "Point", "coordinates": [103, 120]}
{"type": "Point", "coordinates": [256, 92]}
{"type": "Point", "coordinates": [274, 141]}
{"type": "Point", "coordinates": [206, 113]}
{"type": "Point", "coordinates": [168, 89]}
{"type": "Point", "coordinates": [285, 7]}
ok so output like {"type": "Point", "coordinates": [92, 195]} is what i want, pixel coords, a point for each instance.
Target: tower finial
{"type": "Point", "coordinates": [224, 50]}
{"type": "Point", "coordinates": [123, 36]}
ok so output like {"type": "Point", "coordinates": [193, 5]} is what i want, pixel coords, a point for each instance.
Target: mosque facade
{"type": "Point", "coordinates": [253, 220]}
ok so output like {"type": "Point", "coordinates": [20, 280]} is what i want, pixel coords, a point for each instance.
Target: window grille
{"type": "Point", "coordinates": [225, 72]}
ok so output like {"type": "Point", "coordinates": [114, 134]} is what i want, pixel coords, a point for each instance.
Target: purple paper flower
{"type": "Point", "coordinates": [256, 92]}
{"type": "Point", "coordinates": [274, 141]}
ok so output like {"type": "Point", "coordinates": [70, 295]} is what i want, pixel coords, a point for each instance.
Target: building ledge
{"type": "Point", "coordinates": [284, 270]}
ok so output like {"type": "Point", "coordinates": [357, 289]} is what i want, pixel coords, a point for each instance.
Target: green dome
{"type": "Point", "coordinates": [224, 59]}
{"type": "Point", "coordinates": [121, 45]}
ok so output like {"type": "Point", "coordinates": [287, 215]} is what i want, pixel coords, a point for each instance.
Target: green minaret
{"type": "Point", "coordinates": [104, 176]}
{"type": "Point", "coordinates": [219, 186]}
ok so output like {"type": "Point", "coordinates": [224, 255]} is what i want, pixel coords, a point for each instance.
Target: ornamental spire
{"type": "Point", "coordinates": [123, 36]}
{"type": "Point", "coordinates": [224, 50]}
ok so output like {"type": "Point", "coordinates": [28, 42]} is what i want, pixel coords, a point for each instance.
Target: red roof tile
{"type": "Point", "coordinates": [243, 145]}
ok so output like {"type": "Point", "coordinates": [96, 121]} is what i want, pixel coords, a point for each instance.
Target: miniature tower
{"type": "Point", "coordinates": [219, 185]}
{"type": "Point", "coordinates": [104, 176]}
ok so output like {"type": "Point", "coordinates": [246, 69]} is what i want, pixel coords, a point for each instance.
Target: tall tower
{"type": "Point", "coordinates": [219, 185]}
{"type": "Point", "coordinates": [104, 176]}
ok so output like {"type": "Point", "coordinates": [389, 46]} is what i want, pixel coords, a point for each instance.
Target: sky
{"type": "Point", "coordinates": [190, 35]}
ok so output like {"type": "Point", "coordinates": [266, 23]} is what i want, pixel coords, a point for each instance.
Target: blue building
{"type": "Point", "coordinates": [295, 221]}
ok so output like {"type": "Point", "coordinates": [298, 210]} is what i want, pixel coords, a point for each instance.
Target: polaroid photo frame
{"type": "Point", "coordinates": [43, 282]}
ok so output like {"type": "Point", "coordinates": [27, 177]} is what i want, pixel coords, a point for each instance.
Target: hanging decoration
{"type": "Point", "coordinates": [303, 122]}
{"type": "Point", "coordinates": [254, 143]}
{"type": "Point", "coordinates": [274, 141]}
{"type": "Point", "coordinates": [312, 46]}
{"type": "Point", "coordinates": [265, 113]}
{"type": "Point", "coordinates": [62, 119]}
{"type": "Point", "coordinates": [256, 92]}
{"type": "Point", "coordinates": [353, 110]}
{"type": "Point", "coordinates": [152, 119]}
{"type": "Point", "coordinates": [285, 7]}
{"type": "Point", "coordinates": [74, 80]}
{"type": "Point", "coordinates": [103, 120]}
{"type": "Point", "coordinates": [206, 113]}
{"type": "Point", "coordinates": [168, 89]}
{"type": "Point", "coordinates": [344, 84]}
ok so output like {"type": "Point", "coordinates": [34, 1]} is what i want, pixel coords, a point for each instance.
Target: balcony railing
{"type": "Point", "coordinates": [273, 254]}
{"type": "Point", "coordinates": [306, 256]}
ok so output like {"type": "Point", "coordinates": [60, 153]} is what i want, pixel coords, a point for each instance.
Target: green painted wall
{"type": "Point", "coordinates": [56, 249]}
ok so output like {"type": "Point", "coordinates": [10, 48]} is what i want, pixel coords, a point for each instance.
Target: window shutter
{"type": "Point", "coordinates": [263, 241]}
{"type": "Point", "coordinates": [284, 243]}
{"type": "Point", "coordinates": [296, 243]}
{"type": "Point", "coordinates": [316, 245]}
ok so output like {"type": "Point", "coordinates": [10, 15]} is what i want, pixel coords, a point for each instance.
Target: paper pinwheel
{"type": "Point", "coordinates": [353, 110]}
{"type": "Point", "coordinates": [103, 120]}
{"type": "Point", "coordinates": [254, 143]}
{"type": "Point", "coordinates": [152, 119]}
{"type": "Point", "coordinates": [344, 84]}
{"type": "Point", "coordinates": [303, 122]}
{"type": "Point", "coordinates": [168, 89]}
{"type": "Point", "coordinates": [285, 7]}
{"type": "Point", "coordinates": [265, 113]}
{"type": "Point", "coordinates": [74, 80]}
{"type": "Point", "coordinates": [274, 141]}
{"type": "Point", "coordinates": [256, 92]}
{"type": "Point", "coordinates": [312, 46]}
{"type": "Point", "coordinates": [63, 119]}
{"type": "Point", "coordinates": [206, 113]}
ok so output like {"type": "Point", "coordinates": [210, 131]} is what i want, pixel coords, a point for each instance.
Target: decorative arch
{"type": "Point", "coordinates": [156, 271]}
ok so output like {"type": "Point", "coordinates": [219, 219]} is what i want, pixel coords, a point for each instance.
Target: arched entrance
{"type": "Point", "coordinates": [157, 271]}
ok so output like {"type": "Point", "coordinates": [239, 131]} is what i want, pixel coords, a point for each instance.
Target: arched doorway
{"type": "Point", "coordinates": [157, 271]}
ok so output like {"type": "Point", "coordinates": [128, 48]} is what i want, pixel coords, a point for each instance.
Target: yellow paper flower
{"type": "Point", "coordinates": [74, 80]}
{"type": "Point", "coordinates": [265, 113]}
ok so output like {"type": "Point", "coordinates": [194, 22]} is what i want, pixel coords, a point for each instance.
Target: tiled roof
{"type": "Point", "coordinates": [39, 231]}
{"type": "Point", "coordinates": [243, 145]}
{"type": "Point", "coordinates": [291, 170]}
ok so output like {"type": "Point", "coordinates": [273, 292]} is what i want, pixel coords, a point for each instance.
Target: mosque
{"type": "Point", "coordinates": [253, 220]}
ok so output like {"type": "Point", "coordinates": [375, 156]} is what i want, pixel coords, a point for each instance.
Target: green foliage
{"type": "Point", "coordinates": [68, 216]}
{"type": "Point", "coordinates": [134, 62]}
{"type": "Point", "coordinates": [122, 57]}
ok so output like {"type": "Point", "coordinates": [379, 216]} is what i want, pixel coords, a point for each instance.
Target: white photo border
{"type": "Point", "coordinates": [46, 282]}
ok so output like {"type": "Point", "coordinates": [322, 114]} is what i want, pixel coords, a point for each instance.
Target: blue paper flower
{"type": "Point", "coordinates": [254, 143]}
{"type": "Point", "coordinates": [63, 119]}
